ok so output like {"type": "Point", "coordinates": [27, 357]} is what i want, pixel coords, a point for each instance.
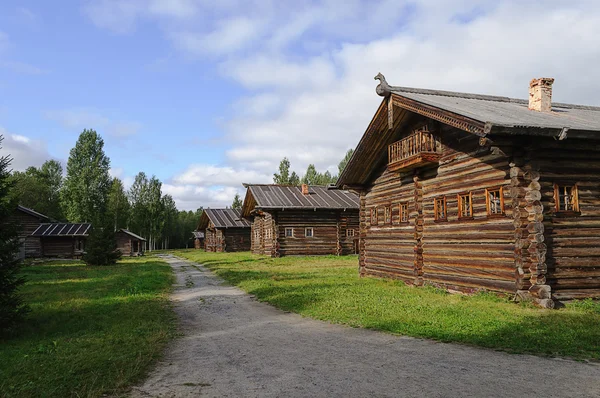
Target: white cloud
{"type": "Point", "coordinates": [24, 151]}
{"type": "Point", "coordinates": [307, 68]}
{"type": "Point", "coordinates": [228, 36]}
{"type": "Point", "coordinates": [82, 118]}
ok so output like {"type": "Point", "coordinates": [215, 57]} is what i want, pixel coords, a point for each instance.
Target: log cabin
{"type": "Point", "coordinates": [28, 221]}
{"type": "Point", "coordinates": [306, 220]}
{"type": "Point", "coordinates": [474, 192]}
{"type": "Point", "coordinates": [198, 239]}
{"type": "Point", "coordinates": [65, 240]}
{"type": "Point", "coordinates": [224, 230]}
{"type": "Point", "coordinates": [129, 244]}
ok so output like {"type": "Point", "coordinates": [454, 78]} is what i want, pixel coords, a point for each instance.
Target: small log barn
{"type": "Point", "coordinates": [28, 221]}
{"type": "Point", "coordinates": [198, 239]}
{"type": "Point", "coordinates": [306, 220]}
{"type": "Point", "coordinates": [129, 244]}
{"type": "Point", "coordinates": [225, 230]}
{"type": "Point", "coordinates": [474, 192]}
{"type": "Point", "coordinates": [65, 240]}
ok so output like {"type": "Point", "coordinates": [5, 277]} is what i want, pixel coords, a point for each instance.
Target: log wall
{"type": "Point", "coordinates": [62, 246]}
{"type": "Point", "coordinates": [464, 254]}
{"type": "Point", "coordinates": [236, 239]}
{"type": "Point", "coordinates": [330, 234]}
{"type": "Point", "coordinates": [571, 241]}
{"type": "Point", "coordinates": [31, 246]}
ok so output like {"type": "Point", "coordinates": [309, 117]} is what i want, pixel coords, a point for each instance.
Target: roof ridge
{"type": "Point", "coordinates": [484, 97]}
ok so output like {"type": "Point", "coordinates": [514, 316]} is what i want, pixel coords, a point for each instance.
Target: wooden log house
{"type": "Point", "coordinates": [129, 244]}
{"type": "Point", "coordinates": [224, 230]}
{"type": "Point", "coordinates": [28, 221]}
{"type": "Point", "coordinates": [306, 220]}
{"type": "Point", "coordinates": [66, 240]}
{"type": "Point", "coordinates": [198, 239]}
{"type": "Point", "coordinates": [473, 192]}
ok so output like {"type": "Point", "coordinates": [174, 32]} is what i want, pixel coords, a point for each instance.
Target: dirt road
{"type": "Point", "coordinates": [234, 346]}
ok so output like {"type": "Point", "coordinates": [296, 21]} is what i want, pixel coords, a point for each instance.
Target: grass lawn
{"type": "Point", "coordinates": [91, 330]}
{"type": "Point", "coordinates": [329, 288]}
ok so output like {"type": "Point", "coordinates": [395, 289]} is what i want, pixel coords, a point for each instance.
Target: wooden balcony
{"type": "Point", "coordinates": [418, 149]}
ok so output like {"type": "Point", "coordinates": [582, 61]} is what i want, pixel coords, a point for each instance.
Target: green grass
{"type": "Point", "coordinates": [329, 288]}
{"type": "Point", "coordinates": [91, 330]}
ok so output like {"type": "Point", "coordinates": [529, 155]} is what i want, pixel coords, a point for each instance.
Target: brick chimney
{"type": "Point", "coordinates": [540, 94]}
{"type": "Point", "coordinates": [304, 189]}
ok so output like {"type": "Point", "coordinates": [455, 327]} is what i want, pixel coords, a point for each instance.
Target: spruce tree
{"type": "Point", "coordinates": [11, 304]}
{"type": "Point", "coordinates": [237, 202]}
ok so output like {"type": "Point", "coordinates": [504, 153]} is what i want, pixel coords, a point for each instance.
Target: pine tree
{"type": "Point", "coordinates": [237, 202]}
{"type": "Point", "coordinates": [11, 304]}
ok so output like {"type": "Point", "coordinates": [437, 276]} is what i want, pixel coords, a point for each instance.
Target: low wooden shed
{"type": "Point", "coordinates": [224, 230]}
{"type": "Point", "coordinates": [304, 220]}
{"type": "Point", "coordinates": [28, 220]}
{"type": "Point", "coordinates": [129, 244]}
{"type": "Point", "coordinates": [476, 192]}
{"type": "Point", "coordinates": [65, 240]}
{"type": "Point", "coordinates": [198, 239]}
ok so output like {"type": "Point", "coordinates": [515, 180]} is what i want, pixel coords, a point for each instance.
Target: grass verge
{"type": "Point", "coordinates": [91, 330]}
{"type": "Point", "coordinates": [328, 288]}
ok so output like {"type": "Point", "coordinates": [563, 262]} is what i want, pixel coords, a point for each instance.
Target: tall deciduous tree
{"type": "Point", "coordinates": [284, 177]}
{"type": "Point", "coordinates": [138, 197]}
{"type": "Point", "coordinates": [86, 187]}
{"type": "Point", "coordinates": [39, 189]}
{"type": "Point", "coordinates": [237, 202]}
{"type": "Point", "coordinates": [11, 305]}
{"type": "Point", "coordinates": [118, 205]}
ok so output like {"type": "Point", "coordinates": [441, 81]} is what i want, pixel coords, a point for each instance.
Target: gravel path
{"type": "Point", "coordinates": [234, 346]}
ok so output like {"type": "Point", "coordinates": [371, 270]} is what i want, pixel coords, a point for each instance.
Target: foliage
{"type": "Point", "coordinates": [329, 288]}
{"type": "Point", "coordinates": [284, 177]}
{"type": "Point", "coordinates": [237, 202]}
{"type": "Point", "coordinates": [39, 189]}
{"type": "Point", "coordinates": [101, 245]}
{"type": "Point", "coordinates": [313, 177]}
{"type": "Point", "coordinates": [11, 305]}
{"type": "Point", "coordinates": [118, 205]}
{"type": "Point", "coordinates": [342, 164]}
{"type": "Point", "coordinates": [86, 187]}
{"type": "Point", "coordinates": [92, 331]}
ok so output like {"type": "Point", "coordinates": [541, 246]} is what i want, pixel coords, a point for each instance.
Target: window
{"type": "Point", "coordinates": [289, 232]}
{"type": "Point", "coordinates": [373, 215]}
{"type": "Point", "coordinates": [403, 215]}
{"type": "Point", "coordinates": [439, 209]}
{"type": "Point", "coordinates": [494, 201]}
{"type": "Point", "coordinates": [388, 215]}
{"type": "Point", "coordinates": [309, 233]}
{"type": "Point", "coordinates": [566, 198]}
{"type": "Point", "coordinates": [349, 232]}
{"type": "Point", "coordinates": [465, 205]}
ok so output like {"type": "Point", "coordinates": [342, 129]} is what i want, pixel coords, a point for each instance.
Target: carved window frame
{"type": "Point", "coordinates": [488, 201]}
{"type": "Point", "coordinates": [438, 202]}
{"type": "Point", "coordinates": [307, 234]}
{"type": "Point", "coordinates": [465, 205]}
{"type": "Point", "coordinates": [291, 230]}
{"type": "Point", "coordinates": [403, 213]}
{"type": "Point", "coordinates": [387, 215]}
{"type": "Point", "coordinates": [349, 233]}
{"type": "Point", "coordinates": [374, 215]}
{"type": "Point", "coordinates": [574, 198]}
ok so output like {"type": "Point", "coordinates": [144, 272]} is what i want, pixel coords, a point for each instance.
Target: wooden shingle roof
{"type": "Point", "coordinates": [62, 229]}
{"type": "Point", "coordinates": [128, 232]}
{"type": "Point", "coordinates": [223, 218]}
{"type": "Point", "coordinates": [260, 196]}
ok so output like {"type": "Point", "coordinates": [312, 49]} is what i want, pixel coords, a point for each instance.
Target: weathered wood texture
{"type": "Point", "coordinates": [62, 246]}
{"type": "Point", "coordinates": [128, 245]}
{"type": "Point", "coordinates": [329, 232]}
{"type": "Point", "coordinates": [467, 254]}
{"type": "Point", "coordinates": [227, 239]}
{"type": "Point", "coordinates": [568, 242]}
{"type": "Point", "coordinates": [31, 246]}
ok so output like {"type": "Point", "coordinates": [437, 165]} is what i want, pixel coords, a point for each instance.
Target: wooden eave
{"type": "Point", "coordinates": [419, 160]}
{"type": "Point", "coordinates": [249, 204]}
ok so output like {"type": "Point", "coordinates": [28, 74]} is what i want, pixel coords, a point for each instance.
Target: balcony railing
{"type": "Point", "coordinates": [417, 149]}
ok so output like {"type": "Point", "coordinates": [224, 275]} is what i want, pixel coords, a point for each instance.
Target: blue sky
{"type": "Point", "coordinates": [207, 95]}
